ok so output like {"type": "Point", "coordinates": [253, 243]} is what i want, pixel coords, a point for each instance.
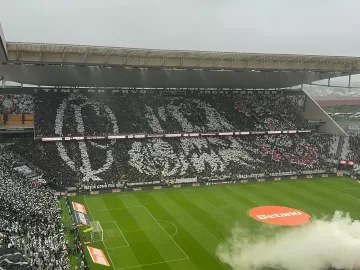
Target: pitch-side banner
{"type": "Point", "coordinates": [175, 135]}
{"type": "Point", "coordinates": [79, 207]}
{"type": "Point", "coordinates": [244, 176]}
{"type": "Point", "coordinates": [186, 180]}
{"type": "Point", "coordinates": [283, 174]}
{"type": "Point", "coordinates": [82, 218]}
{"type": "Point", "coordinates": [98, 256]}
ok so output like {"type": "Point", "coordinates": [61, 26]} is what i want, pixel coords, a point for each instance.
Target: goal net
{"type": "Point", "coordinates": [97, 234]}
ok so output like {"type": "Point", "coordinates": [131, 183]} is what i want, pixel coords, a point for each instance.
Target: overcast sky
{"type": "Point", "coordinates": [327, 27]}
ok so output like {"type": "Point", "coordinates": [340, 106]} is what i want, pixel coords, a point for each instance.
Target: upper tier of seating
{"type": "Point", "coordinates": [69, 114]}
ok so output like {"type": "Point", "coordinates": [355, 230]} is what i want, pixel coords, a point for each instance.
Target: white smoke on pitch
{"type": "Point", "coordinates": [319, 244]}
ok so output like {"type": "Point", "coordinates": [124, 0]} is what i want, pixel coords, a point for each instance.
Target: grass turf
{"type": "Point", "coordinates": [180, 228]}
{"type": "Point", "coordinates": [75, 260]}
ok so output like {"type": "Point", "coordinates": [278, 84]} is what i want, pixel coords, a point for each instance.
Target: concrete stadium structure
{"type": "Point", "coordinates": [59, 65]}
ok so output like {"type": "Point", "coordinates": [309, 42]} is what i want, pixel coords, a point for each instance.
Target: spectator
{"type": "Point", "coordinates": [159, 159]}
{"type": "Point", "coordinates": [63, 114]}
{"type": "Point", "coordinates": [29, 219]}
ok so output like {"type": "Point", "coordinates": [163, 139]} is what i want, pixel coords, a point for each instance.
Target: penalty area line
{"type": "Point", "coordinates": [347, 188]}
{"type": "Point", "coordinates": [120, 208]}
{"type": "Point", "coordinates": [141, 265]}
{"type": "Point", "coordinates": [350, 196]}
{"type": "Point", "coordinates": [348, 180]}
{"type": "Point", "coordinates": [107, 251]}
{"type": "Point", "coordinates": [187, 257]}
{"type": "Point", "coordinates": [123, 236]}
{"type": "Point", "coordinates": [243, 196]}
{"type": "Point", "coordinates": [176, 229]}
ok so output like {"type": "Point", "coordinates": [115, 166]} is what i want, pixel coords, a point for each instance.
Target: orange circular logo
{"type": "Point", "coordinates": [279, 215]}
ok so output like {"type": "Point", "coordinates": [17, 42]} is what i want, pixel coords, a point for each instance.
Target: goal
{"type": "Point", "coordinates": [97, 233]}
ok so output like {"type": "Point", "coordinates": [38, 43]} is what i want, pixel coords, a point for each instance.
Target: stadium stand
{"type": "Point", "coordinates": [350, 154]}
{"type": "Point", "coordinates": [153, 160]}
{"type": "Point", "coordinates": [16, 104]}
{"type": "Point", "coordinates": [30, 229]}
{"type": "Point", "coordinates": [31, 236]}
{"type": "Point", "coordinates": [74, 165]}
{"type": "Point", "coordinates": [12, 259]}
{"type": "Point", "coordinates": [75, 114]}
{"type": "Point", "coordinates": [351, 148]}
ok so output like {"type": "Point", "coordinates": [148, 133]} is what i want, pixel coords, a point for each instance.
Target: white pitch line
{"type": "Point", "coordinates": [261, 184]}
{"type": "Point", "coordinates": [119, 231]}
{"type": "Point", "coordinates": [176, 229]}
{"type": "Point", "coordinates": [121, 208]}
{"type": "Point", "coordinates": [112, 263]}
{"type": "Point", "coordinates": [122, 234]}
{"type": "Point", "coordinates": [348, 180]}
{"type": "Point", "coordinates": [243, 196]}
{"type": "Point", "coordinates": [118, 247]}
{"type": "Point", "coordinates": [122, 194]}
{"type": "Point", "coordinates": [141, 265]}
{"type": "Point", "coordinates": [187, 257]}
{"type": "Point", "coordinates": [347, 188]}
{"type": "Point", "coordinates": [349, 195]}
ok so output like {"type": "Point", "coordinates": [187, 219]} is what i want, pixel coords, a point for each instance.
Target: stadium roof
{"type": "Point", "coordinates": [19, 52]}
{"type": "Point", "coordinates": [96, 66]}
{"type": "Point", "coordinates": [3, 47]}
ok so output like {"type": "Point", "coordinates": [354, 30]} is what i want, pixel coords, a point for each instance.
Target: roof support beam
{"type": "Point", "coordinates": [219, 61]}
{"type": "Point", "coordinates": [127, 57]}
{"type": "Point", "coordinates": [164, 61]}
{"type": "Point", "coordinates": [147, 57]}
{"type": "Point", "coordinates": [321, 60]}
{"type": "Point", "coordinates": [106, 57]}
{"type": "Point", "coordinates": [200, 60]}
{"type": "Point", "coordinates": [182, 59]}
{"type": "Point", "coordinates": [17, 53]}
{"type": "Point", "coordinates": [306, 59]}
{"type": "Point", "coordinates": [63, 54]}
{"type": "Point", "coordinates": [41, 54]}
{"type": "Point", "coordinates": [86, 56]}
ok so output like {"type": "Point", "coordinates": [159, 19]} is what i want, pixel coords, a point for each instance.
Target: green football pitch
{"type": "Point", "coordinates": [180, 228]}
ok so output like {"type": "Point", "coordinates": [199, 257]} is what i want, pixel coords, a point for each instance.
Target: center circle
{"type": "Point", "coordinates": [279, 215]}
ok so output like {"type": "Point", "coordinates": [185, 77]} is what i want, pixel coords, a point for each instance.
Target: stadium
{"type": "Point", "coordinates": [124, 158]}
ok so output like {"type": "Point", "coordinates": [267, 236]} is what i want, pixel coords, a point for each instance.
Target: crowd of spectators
{"type": "Point", "coordinates": [10, 258]}
{"type": "Point", "coordinates": [70, 114]}
{"type": "Point", "coordinates": [76, 163]}
{"type": "Point", "coordinates": [16, 104]}
{"type": "Point", "coordinates": [351, 148]}
{"type": "Point", "coordinates": [29, 222]}
{"type": "Point", "coordinates": [30, 227]}
{"type": "Point", "coordinates": [351, 152]}
{"type": "Point", "coordinates": [29, 219]}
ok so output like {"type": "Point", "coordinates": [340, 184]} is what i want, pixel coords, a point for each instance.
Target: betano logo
{"type": "Point", "coordinates": [279, 215]}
